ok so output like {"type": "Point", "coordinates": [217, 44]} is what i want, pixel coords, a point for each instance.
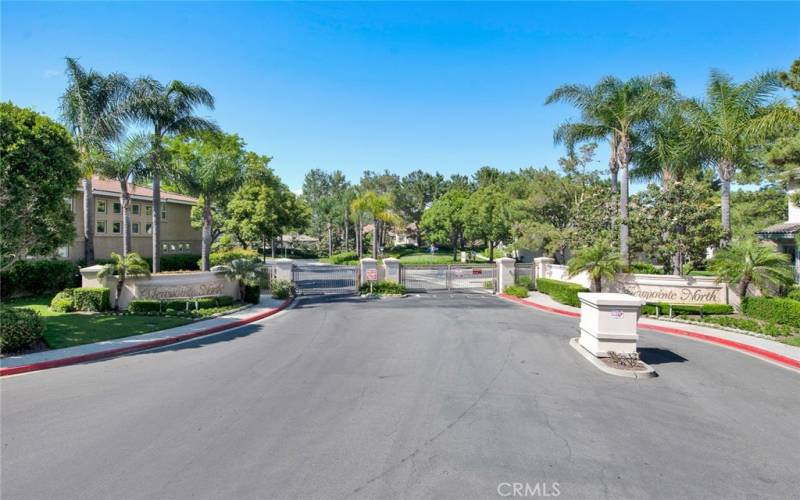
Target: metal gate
{"type": "Point", "coordinates": [454, 277]}
{"type": "Point", "coordinates": [327, 279]}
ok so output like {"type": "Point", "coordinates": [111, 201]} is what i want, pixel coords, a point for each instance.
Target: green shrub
{"type": "Point", "coordinates": [773, 309]}
{"type": "Point", "coordinates": [178, 262]}
{"type": "Point", "coordinates": [252, 294]}
{"type": "Point", "coordinates": [63, 301]}
{"type": "Point", "coordinates": [91, 299]}
{"type": "Point", "coordinates": [383, 288]}
{"type": "Point", "coordinates": [701, 273]}
{"type": "Point", "coordinates": [281, 289]}
{"type": "Point", "coordinates": [227, 256]}
{"type": "Point", "coordinates": [517, 291]}
{"type": "Point", "coordinates": [224, 300]}
{"type": "Point", "coordinates": [20, 328]}
{"type": "Point", "coordinates": [144, 306]}
{"type": "Point", "coordinates": [794, 294]}
{"type": "Point", "coordinates": [561, 291]}
{"type": "Point", "coordinates": [751, 325]}
{"type": "Point", "coordinates": [645, 268]}
{"type": "Point", "coordinates": [687, 309]}
{"type": "Point", "coordinates": [35, 277]}
{"type": "Point", "coordinates": [525, 281]}
{"type": "Point", "coordinates": [344, 258]}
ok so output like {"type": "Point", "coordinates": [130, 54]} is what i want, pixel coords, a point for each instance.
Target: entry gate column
{"type": "Point", "coordinates": [392, 270]}
{"type": "Point", "coordinates": [369, 270]}
{"type": "Point", "coordinates": [284, 269]}
{"type": "Point", "coordinates": [505, 273]}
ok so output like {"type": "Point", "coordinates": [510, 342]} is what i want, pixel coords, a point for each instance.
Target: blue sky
{"type": "Point", "coordinates": [448, 87]}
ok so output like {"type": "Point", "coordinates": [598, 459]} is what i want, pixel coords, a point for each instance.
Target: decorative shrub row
{"type": "Point", "coordinates": [517, 290]}
{"type": "Point", "coordinates": [227, 256]}
{"type": "Point", "coordinates": [143, 306]}
{"type": "Point", "coordinates": [20, 328]}
{"type": "Point", "coordinates": [687, 309]}
{"type": "Point", "coordinates": [794, 294]}
{"type": "Point", "coordinates": [35, 277]}
{"type": "Point", "coordinates": [751, 325]}
{"type": "Point", "coordinates": [81, 299]}
{"type": "Point", "coordinates": [561, 291]}
{"type": "Point", "coordinates": [178, 262]}
{"type": "Point", "coordinates": [344, 258]}
{"type": "Point", "coordinates": [773, 309]}
{"type": "Point", "coordinates": [252, 294]}
{"type": "Point", "coordinates": [525, 282]}
{"type": "Point", "coordinates": [645, 268]}
{"type": "Point", "coordinates": [281, 289]}
{"type": "Point", "coordinates": [383, 288]}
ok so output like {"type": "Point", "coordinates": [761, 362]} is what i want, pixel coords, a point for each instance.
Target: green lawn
{"type": "Point", "coordinates": [71, 329]}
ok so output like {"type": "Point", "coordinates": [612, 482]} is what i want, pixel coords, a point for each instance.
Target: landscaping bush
{"type": "Point", "coordinates": [20, 328]}
{"type": "Point", "coordinates": [252, 294]}
{"type": "Point", "coordinates": [227, 256]}
{"type": "Point", "coordinates": [146, 306]}
{"type": "Point", "coordinates": [701, 273]}
{"type": "Point", "coordinates": [224, 300]}
{"type": "Point", "coordinates": [751, 325]}
{"type": "Point", "coordinates": [63, 301]}
{"type": "Point", "coordinates": [794, 293]}
{"type": "Point", "coordinates": [281, 289]}
{"type": "Point", "coordinates": [645, 268]}
{"type": "Point", "coordinates": [773, 309]}
{"type": "Point", "coordinates": [179, 262]}
{"type": "Point", "coordinates": [687, 309]}
{"type": "Point", "coordinates": [561, 291]}
{"type": "Point", "coordinates": [517, 291]}
{"type": "Point", "coordinates": [91, 299]}
{"type": "Point", "coordinates": [344, 258]}
{"type": "Point", "coordinates": [383, 288]}
{"type": "Point", "coordinates": [35, 277]}
{"type": "Point", "coordinates": [525, 281]}
{"type": "Point", "coordinates": [143, 306]}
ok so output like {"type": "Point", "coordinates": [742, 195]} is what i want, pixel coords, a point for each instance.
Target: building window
{"type": "Point", "coordinates": [148, 228]}
{"type": "Point", "coordinates": [116, 207]}
{"type": "Point", "coordinates": [63, 252]}
{"type": "Point", "coordinates": [101, 206]}
{"type": "Point", "coordinates": [116, 227]}
{"type": "Point", "coordinates": [100, 227]}
{"type": "Point", "coordinates": [164, 247]}
{"type": "Point", "coordinates": [135, 228]}
{"type": "Point", "coordinates": [148, 210]}
{"type": "Point", "coordinates": [136, 209]}
{"type": "Point", "coordinates": [164, 211]}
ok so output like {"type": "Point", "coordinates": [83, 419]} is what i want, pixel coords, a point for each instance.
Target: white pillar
{"type": "Point", "coordinates": [505, 273]}
{"type": "Point", "coordinates": [89, 279]}
{"type": "Point", "coordinates": [608, 322]}
{"type": "Point", "coordinates": [391, 269]}
{"type": "Point", "coordinates": [463, 257]}
{"type": "Point", "coordinates": [284, 269]}
{"type": "Point", "coordinates": [369, 268]}
{"type": "Point", "coordinates": [540, 266]}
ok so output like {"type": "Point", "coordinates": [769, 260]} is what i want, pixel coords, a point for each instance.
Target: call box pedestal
{"type": "Point", "coordinates": [608, 322]}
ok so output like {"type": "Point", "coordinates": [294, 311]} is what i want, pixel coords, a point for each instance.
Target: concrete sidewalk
{"type": "Point", "coordinates": [769, 350]}
{"type": "Point", "coordinates": [87, 352]}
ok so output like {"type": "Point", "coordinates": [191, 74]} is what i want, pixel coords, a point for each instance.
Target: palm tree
{"type": "Point", "coordinates": [246, 272]}
{"type": "Point", "coordinates": [747, 262]}
{"type": "Point", "coordinates": [206, 176]}
{"type": "Point", "coordinates": [730, 121]}
{"type": "Point", "coordinates": [169, 110]}
{"type": "Point", "coordinates": [127, 163]}
{"type": "Point", "coordinates": [93, 108]}
{"type": "Point", "coordinates": [122, 268]}
{"type": "Point", "coordinates": [599, 260]}
{"type": "Point", "coordinates": [379, 208]}
{"type": "Point", "coordinates": [616, 110]}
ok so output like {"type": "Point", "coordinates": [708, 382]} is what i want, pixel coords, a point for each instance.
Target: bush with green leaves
{"type": "Point", "coordinates": [751, 325]}
{"type": "Point", "coordinates": [517, 291]}
{"type": "Point", "coordinates": [645, 268]}
{"type": "Point", "coordinates": [794, 293]}
{"type": "Point", "coordinates": [228, 256]}
{"type": "Point", "coordinates": [177, 262]}
{"type": "Point", "coordinates": [687, 309]}
{"type": "Point", "coordinates": [20, 328]}
{"type": "Point", "coordinates": [143, 306]}
{"type": "Point", "coordinates": [561, 291]}
{"type": "Point", "coordinates": [91, 299]}
{"type": "Point", "coordinates": [383, 288]}
{"type": "Point", "coordinates": [35, 277]}
{"type": "Point", "coordinates": [63, 301]}
{"type": "Point", "coordinates": [344, 258]}
{"type": "Point", "coordinates": [146, 306]}
{"type": "Point", "coordinates": [252, 294]}
{"type": "Point", "coordinates": [773, 309]}
{"type": "Point", "coordinates": [281, 289]}
{"type": "Point", "coordinates": [525, 281]}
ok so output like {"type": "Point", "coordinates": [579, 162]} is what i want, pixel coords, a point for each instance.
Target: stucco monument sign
{"type": "Point", "coordinates": [673, 289]}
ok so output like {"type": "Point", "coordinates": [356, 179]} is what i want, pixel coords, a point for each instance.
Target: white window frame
{"type": "Point", "coordinates": [98, 204]}
{"type": "Point", "coordinates": [136, 209]}
{"type": "Point", "coordinates": [135, 227]}
{"type": "Point", "coordinates": [97, 227]}
{"type": "Point", "coordinates": [114, 206]}
{"type": "Point", "coordinates": [116, 224]}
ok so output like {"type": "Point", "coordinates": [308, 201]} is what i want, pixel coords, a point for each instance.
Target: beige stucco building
{"type": "Point", "coordinates": [177, 234]}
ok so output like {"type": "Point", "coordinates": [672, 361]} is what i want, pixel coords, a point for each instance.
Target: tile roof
{"type": "Point", "coordinates": [782, 228]}
{"type": "Point", "coordinates": [138, 191]}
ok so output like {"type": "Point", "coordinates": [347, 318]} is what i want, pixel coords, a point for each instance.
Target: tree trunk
{"type": "Point", "coordinates": [263, 249]}
{"type": "Point", "coordinates": [491, 250]}
{"type": "Point", "coordinates": [88, 222]}
{"type": "Point", "coordinates": [359, 239]}
{"type": "Point", "coordinates": [120, 282]}
{"type": "Point", "coordinates": [283, 246]}
{"type": "Point", "coordinates": [623, 156]}
{"type": "Point", "coordinates": [744, 284]}
{"type": "Point", "coordinates": [330, 239]}
{"type": "Point", "coordinates": [157, 222]}
{"type": "Point", "coordinates": [206, 245]}
{"type": "Point", "coordinates": [613, 165]}
{"type": "Point", "coordinates": [418, 234]}
{"type": "Point", "coordinates": [375, 239]}
{"type": "Point", "coordinates": [598, 284]}
{"type": "Point", "coordinates": [272, 247]}
{"type": "Point", "coordinates": [125, 202]}
{"type": "Point", "coordinates": [726, 170]}
{"type": "Point", "coordinates": [346, 235]}
{"type": "Point", "coordinates": [454, 242]}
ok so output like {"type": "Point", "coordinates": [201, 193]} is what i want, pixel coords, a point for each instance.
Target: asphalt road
{"type": "Point", "coordinates": [438, 396]}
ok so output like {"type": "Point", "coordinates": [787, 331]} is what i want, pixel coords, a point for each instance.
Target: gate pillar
{"type": "Point", "coordinates": [540, 266]}
{"type": "Point", "coordinates": [369, 264]}
{"type": "Point", "coordinates": [392, 269]}
{"type": "Point", "coordinates": [505, 273]}
{"type": "Point", "coordinates": [284, 269]}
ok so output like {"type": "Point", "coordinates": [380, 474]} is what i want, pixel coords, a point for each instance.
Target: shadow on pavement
{"type": "Point", "coordinates": [657, 356]}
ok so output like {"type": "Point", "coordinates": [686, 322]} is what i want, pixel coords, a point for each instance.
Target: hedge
{"type": "Point", "coordinates": [383, 288]}
{"type": "Point", "coordinates": [751, 325]}
{"type": "Point", "coordinates": [645, 268]}
{"type": "Point", "coordinates": [773, 309]}
{"type": "Point", "coordinates": [227, 256]}
{"type": "Point", "coordinates": [281, 289]}
{"type": "Point", "coordinates": [252, 294]}
{"type": "Point", "coordinates": [688, 309]}
{"type": "Point", "coordinates": [561, 291]}
{"type": "Point", "coordinates": [20, 328]}
{"type": "Point", "coordinates": [525, 281]}
{"type": "Point", "coordinates": [35, 277]}
{"type": "Point", "coordinates": [91, 299]}
{"type": "Point", "coordinates": [63, 301]}
{"type": "Point", "coordinates": [178, 262]}
{"type": "Point", "coordinates": [517, 291]}
{"type": "Point", "coordinates": [794, 294]}
{"type": "Point", "coordinates": [144, 306]}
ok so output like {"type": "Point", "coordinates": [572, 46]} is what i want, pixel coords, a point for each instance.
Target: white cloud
{"type": "Point", "coordinates": [51, 73]}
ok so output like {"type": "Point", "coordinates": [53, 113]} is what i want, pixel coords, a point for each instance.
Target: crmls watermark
{"type": "Point", "coordinates": [528, 489]}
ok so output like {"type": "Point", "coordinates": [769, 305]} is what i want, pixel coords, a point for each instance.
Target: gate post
{"type": "Point", "coordinates": [367, 264]}
{"type": "Point", "coordinates": [540, 267]}
{"type": "Point", "coordinates": [284, 269]}
{"type": "Point", "coordinates": [505, 273]}
{"type": "Point", "coordinates": [392, 269]}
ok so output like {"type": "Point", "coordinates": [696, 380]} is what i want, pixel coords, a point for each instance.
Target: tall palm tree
{"type": "Point", "coordinates": [730, 121]}
{"type": "Point", "coordinates": [747, 262]}
{"type": "Point", "coordinates": [93, 108]}
{"type": "Point", "coordinates": [127, 163]}
{"type": "Point", "coordinates": [379, 209]}
{"type": "Point", "coordinates": [615, 110]}
{"type": "Point", "coordinates": [169, 110]}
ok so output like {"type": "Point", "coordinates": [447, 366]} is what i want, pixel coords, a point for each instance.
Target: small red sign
{"type": "Point", "coordinates": [477, 270]}
{"type": "Point", "coordinates": [372, 275]}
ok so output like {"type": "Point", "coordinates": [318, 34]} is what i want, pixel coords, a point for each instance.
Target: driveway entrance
{"type": "Point", "coordinates": [312, 279]}
{"type": "Point", "coordinates": [451, 277]}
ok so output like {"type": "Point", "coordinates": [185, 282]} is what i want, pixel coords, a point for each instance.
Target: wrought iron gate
{"type": "Point", "coordinates": [453, 277]}
{"type": "Point", "coordinates": [325, 279]}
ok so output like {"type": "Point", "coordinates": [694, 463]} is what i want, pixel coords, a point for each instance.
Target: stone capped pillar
{"type": "Point", "coordinates": [89, 279]}
{"type": "Point", "coordinates": [368, 267]}
{"type": "Point", "coordinates": [540, 266]}
{"type": "Point", "coordinates": [284, 269]}
{"type": "Point", "coordinates": [392, 269]}
{"type": "Point", "coordinates": [505, 273]}
{"type": "Point", "coordinates": [608, 322]}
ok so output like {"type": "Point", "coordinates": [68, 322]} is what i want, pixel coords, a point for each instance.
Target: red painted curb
{"type": "Point", "coordinates": [756, 351]}
{"type": "Point", "coordinates": [13, 370]}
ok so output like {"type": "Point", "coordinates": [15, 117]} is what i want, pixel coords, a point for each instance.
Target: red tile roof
{"type": "Point", "coordinates": [109, 186]}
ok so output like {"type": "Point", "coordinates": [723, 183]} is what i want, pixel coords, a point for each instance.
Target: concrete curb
{"type": "Point", "coordinates": [757, 352]}
{"type": "Point", "coordinates": [647, 373]}
{"type": "Point", "coordinates": [55, 363]}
